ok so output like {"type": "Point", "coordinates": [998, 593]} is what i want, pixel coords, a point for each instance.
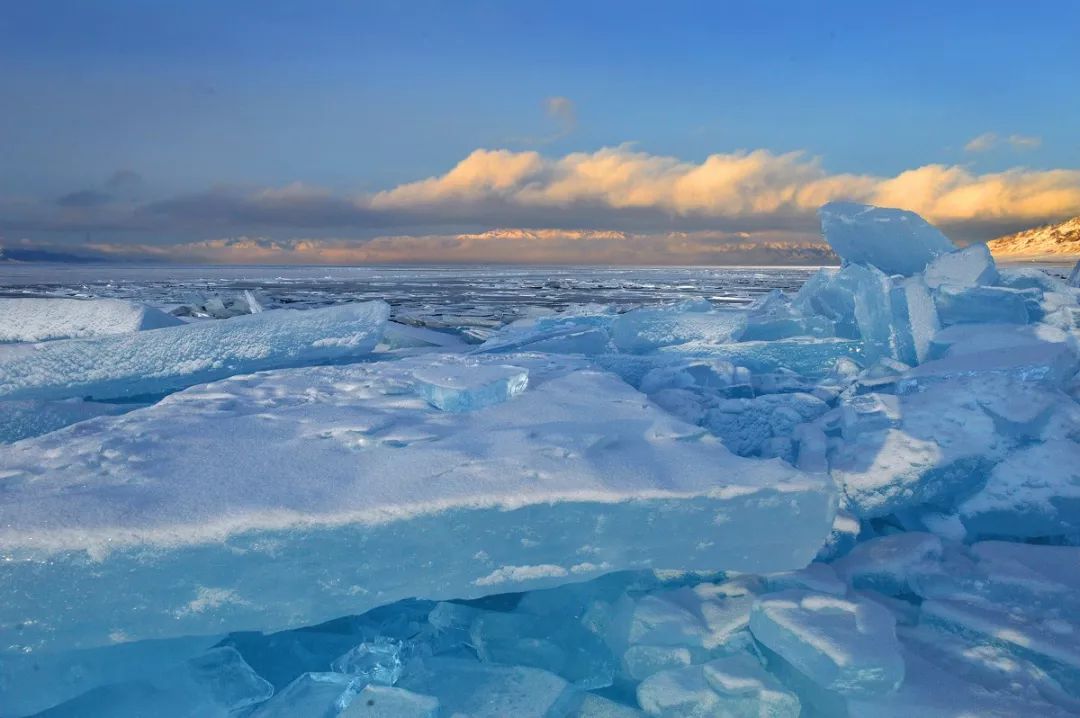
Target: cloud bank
{"type": "Point", "coordinates": [651, 206]}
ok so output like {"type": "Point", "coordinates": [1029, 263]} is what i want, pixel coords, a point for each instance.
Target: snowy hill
{"type": "Point", "coordinates": [1052, 240]}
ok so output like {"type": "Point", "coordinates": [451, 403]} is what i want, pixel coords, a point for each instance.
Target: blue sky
{"type": "Point", "coordinates": [348, 99]}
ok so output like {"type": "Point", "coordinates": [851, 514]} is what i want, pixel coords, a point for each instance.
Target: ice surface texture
{"type": "Point", "coordinates": [38, 320]}
{"type": "Point", "coordinates": [236, 487]}
{"type": "Point", "coordinates": [148, 363]}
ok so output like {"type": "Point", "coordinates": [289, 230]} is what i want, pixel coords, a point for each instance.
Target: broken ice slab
{"type": "Point", "coordinates": [468, 688]}
{"type": "Point", "coordinates": [1074, 276]}
{"type": "Point", "coordinates": [1039, 578]}
{"type": "Point", "coordinates": [215, 684]}
{"type": "Point", "coordinates": [557, 643]}
{"type": "Point", "coordinates": [735, 686]}
{"type": "Point", "coordinates": [973, 338]}
{"type": "Point", "coordinates": [465, 386]}
{"type": "Point", "coordinates": [923, 448]}
{"type": "Point", "coordinates": [32, 682]}
{"type": "Point", "coordinates": [857, 300]}
{"type": "Point", "coordinates": [388, 702]}
{"type": "Point", "coordinates": [185, 517]}
{"type": "Point", "coordinates": [773, 317]}
{"type": "Point", "coordinates": [893, 240]}
{"type": "Point", "coordinates": [645, 330]}
{"type": "Point", "coordinates": [677, 627]}
{"type": "Point", "coordinates": [810, 358]}
{"type": "Point", "coordinates": [404, 336]}
{"type": "Point", "coordinates": [319, 695]}
{"type": "Point", "coordinates": [164, 360]}
{"type": "Point", "coordinates": [1049, 364]}
{"type": "Point", "coordinates": [594, 706]}
{"type": "Point", "coordinates": [802, 355]}
{"type": "Point", "coordinates": [1044, 638]}
{"type": "Point", "coordinates": [567, 333]}
{"type": "Point", "coordinates": [1033, 493]}
{"type": "Point", "coordinates": [968, 267]}
{"type": "Point", "coordinates": [930, 690]}
{"type": "Point", "coordinates": [1030, 278]}
{"type": "Point", "coordinates": [885, 563]}
{"type": "Point", "coordinates": [974, 305]}
{"type": "Point", "coordinates": [844, 646]}
{"type": "Point", "coordinates": [914, 320]}
{"type": "Point", "coordinates": [38, 320]}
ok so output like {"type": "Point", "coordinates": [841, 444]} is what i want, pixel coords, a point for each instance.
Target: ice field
{"type": "Point", "coordinates": [544, 492]}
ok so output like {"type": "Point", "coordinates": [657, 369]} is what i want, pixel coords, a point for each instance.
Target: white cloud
{"type": "Point", "coordinates": [1024, 142]}
{"type": "Point", "coordinates": [982, 143]}
{"type": "Point", "coordinates": [989, 140]}
{"type": "Point", "coordinates": [563, 110]}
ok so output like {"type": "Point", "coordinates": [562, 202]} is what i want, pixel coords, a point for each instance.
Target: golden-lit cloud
{"type": "Point", "coordinates": [758, 184]}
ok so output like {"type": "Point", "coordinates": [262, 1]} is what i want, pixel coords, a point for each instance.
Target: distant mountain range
{"type": "Point", "coordinates": [1051, 241]}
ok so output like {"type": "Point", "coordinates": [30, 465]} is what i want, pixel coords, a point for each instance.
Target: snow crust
{"type": "Point", "coordinates": [39, 320]}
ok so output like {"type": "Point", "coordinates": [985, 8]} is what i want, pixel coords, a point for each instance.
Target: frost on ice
{"type": "Point", "coordinates": [38, 320]}
{"type": "Point", "coordinates": [149, 363]}
{"type": "Point", "coordinates": [861, 499]}
{"type": "Point", "coordinates": [576, 476]}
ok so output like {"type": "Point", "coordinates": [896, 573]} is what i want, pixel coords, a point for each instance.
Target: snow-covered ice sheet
{"type": "Point", "coordinates": [149, 363]}
{"type": "Point", "coordinates": [233, 487]}
{"type": "Point", "coordinates": [38, 319]}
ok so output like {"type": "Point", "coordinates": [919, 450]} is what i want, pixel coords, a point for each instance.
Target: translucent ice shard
{"type": "Point", "coordinates": [845, 646]}
{"type": "Point", "coordinates": [893, 240]}
{"type": "Point", "coordinates": [858, 300]}
{"type": "Point", "coordinates": [914, 320]}
{"type": "Point", "coordinates": [320, 695]}
{"type": "Point", "coordinates": [647, 329]}
{"type": "Point", "coordinates": [1048, 363]}
{"type": "Point", "coordinates": [215, 684]}
{"type": "Point", "coordinates": [967, 267]}
{"type": "Point", "coordinates": [1074, 276]}
{"type": "Point", "coordinates": [33, 682]}
{"type": "Point", "coordinates": [459, 386]}
{"type": "Point", "coordinates": [38, 320]}
{"type": "Point", "coordinates": [146, 363]}
{"type": "Point", "coordinates": [234, 486]}
{"type": "Point", "coordinates": [970, 305]}
{"type": "Point", "coordinates": [774, 317]}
